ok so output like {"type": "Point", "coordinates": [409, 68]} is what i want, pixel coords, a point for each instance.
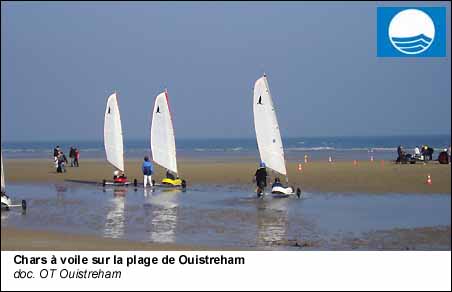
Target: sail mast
{"type": "Point", "coordinates": [172, 131]}
{"type": "Point", "coordinates": [120, 131]}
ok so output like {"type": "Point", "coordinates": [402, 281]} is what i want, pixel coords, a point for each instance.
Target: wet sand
{"type": "Point", "coordinates": [321, 176]}
{"type": "Point", "coordinates": [423, 238]}
{"type": "Point", "coordinates": [420, 239]}
{"type": "Point", "coordinates": [14, 239]}
{"type": "Point", "coordinates": [72, 216]}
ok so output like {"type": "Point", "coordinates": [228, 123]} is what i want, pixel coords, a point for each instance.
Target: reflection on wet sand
{"type": "Point", "coordinates": [232, 217]}
{"type": "Point", "coordinates": [162, 210]}
{"type": "Point", "coordinates": [114, 224]}
{"type": "Point", "coordinates": [272, 222]}
{"type": "Point", "coordinates": [5, 215]}
{"type": "Point", "coordinates": [60, 190]}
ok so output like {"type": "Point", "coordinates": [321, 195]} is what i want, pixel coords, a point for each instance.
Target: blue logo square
{"type": "Point", "coordinates": [411, 32]}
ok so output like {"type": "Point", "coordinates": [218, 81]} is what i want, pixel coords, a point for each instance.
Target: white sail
{"type": "Point", "coordinates": [3, 176]}
{"type": "Point", "coordinates": [163, 145]}
{"type": "Point", "coordinates": [113, 134]}
{"type": "Point", "coordinates": [267, 129]}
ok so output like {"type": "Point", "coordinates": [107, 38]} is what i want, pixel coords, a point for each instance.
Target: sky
{"type": "Point", "coordinates": [60, 61]}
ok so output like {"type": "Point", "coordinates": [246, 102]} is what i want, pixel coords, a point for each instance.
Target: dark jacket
{"type": "Point", "coordinates": [72, 153]}
{"type": "Point", "coordinates": [261, 177]}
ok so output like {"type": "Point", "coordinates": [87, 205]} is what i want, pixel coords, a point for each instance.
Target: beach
{"type": "Point", "coordinates": [219, 212]}
{"type": "Point", "coordinates": [14, 239]}
{"type": "Point", "coordinates": [375, 177]}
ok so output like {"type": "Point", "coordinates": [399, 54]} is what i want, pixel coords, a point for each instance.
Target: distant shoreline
{"type": "Point", "coordinates": [317, 148]}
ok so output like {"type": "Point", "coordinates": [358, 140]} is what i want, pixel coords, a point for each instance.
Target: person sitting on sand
{"type": "Point", "coordinates": [277, 183]}
{"type": "Point", "coordinates": [443, 157]}
{"type": "Point", "coordinates": [261, 176]}
{"type": "Point", "coordinates": [148, 170]}
{"type": "Point", "coordinates": [417, 154]}
{"type": "Point", "coordinates": [401, 155]}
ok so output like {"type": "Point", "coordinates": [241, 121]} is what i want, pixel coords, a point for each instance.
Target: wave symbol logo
{"type": "Point", "coordinates": [411, 31]}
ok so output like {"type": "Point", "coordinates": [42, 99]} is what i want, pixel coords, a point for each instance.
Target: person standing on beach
{"type": "Point", "coordinates": [261, 177]}
{"type": "Point", "coordinates": [401, 154]}
{"type": "Point", "coordinates": [148, 170]}
{"type": "Point", "coordinates": [72, 155]}
{"type": "Point", "coordinates": [64, 157]}
{"type": "Point", "coordinates": [61, 162]}
{"type": "Point", "coordinates": [76, 157]}
{"type": "Point", "coordinates": [56, 151]}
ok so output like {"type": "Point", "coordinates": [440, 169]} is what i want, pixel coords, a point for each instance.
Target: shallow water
{"type": "Point", "coordinates": [219, 216]}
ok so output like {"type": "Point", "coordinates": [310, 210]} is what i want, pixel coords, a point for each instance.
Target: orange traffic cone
{"type": "Point", "coordinates": [330, 159]}
{"type": "Point", "coordinates": [355, 163]}
{"type": "Point", "coordinates": [429, 180]}
{"type": "Point", "coordinates": [299, 167]}
{"type": "Point", "coordinates": [306, 158]}
{"type": "Point", "coordinates": [382, 163]}
{"type": "Point", "coordinates": [372, 158]}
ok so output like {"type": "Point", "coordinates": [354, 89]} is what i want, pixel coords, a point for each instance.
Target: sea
{"type": "Point", "coordinates": [315, 148]}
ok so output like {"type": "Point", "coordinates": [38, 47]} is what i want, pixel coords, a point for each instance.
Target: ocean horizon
{"type": "Point", "coordinates": [339, 147]}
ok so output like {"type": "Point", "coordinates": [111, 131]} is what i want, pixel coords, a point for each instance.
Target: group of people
{"type": "Point", "coordinates": [422, 153]}
{"type": "Point", "coordinates": [74, 155]}
{"type": "Point", "coordinates": [61, 161]}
